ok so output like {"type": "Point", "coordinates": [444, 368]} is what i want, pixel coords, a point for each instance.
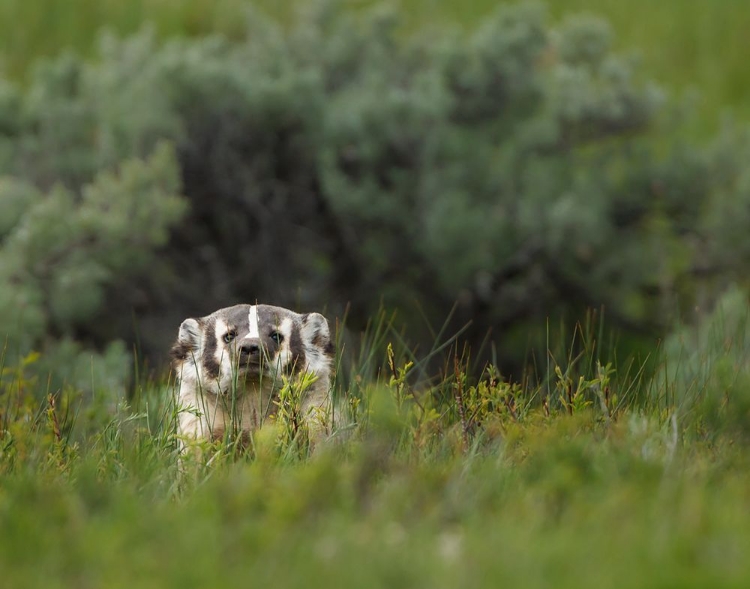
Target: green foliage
{"type": "Point", "coordinates": [511, 169]}
{"type": "Point", "coordinates": [293, 436]}
{"type": "Point", "coordinates": [531, 501]}
{"type": "Point", "coordinates": [333, 158]}
{"type": "Point", "coordinates": [66, 248]}
{"type": "Point", "coordinates": [706, 374]}
{"type": "Point", "coordinates": [726, 221]}
{"type": "Point", "coordinates": [691, 45]}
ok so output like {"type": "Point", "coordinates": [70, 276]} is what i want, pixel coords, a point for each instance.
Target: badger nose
{"type": "Point", "coordinates": [250, 347]}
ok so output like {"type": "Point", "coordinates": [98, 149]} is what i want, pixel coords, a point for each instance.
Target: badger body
{"type": "Point", "coordinates": [231, 364]}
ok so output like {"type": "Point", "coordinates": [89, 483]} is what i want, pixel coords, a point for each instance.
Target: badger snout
{"type": "Point", "coordinates": [251, 350]}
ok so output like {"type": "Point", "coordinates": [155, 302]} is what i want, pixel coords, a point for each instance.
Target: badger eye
{"type": "Point", "coordinates": [229, 336]}
{"type": "Point", "coordinates": [277, 337]}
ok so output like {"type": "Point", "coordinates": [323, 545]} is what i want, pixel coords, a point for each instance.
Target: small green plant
{"type": "Point", "coordinates": [448, 468]}
{"type": "Point", "coordinates": [293, 431]}
{"type": "Point", "coordinates": [397, 382]}
{"type": "Point", "coordinates": [493, 397]}
{"type": "Point", "coordinates": [577, 394]}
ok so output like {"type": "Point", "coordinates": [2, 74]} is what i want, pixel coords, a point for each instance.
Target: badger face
{"type": "Point", "coordinates": [250, 343]}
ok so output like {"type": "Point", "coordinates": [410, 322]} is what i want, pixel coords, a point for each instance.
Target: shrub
{"type": "Point", "coordinates": [706, 373]}
{"type": "Point", "coordinates": [66, 248]}
{"type": "Point", "coordinates": [513, 169]}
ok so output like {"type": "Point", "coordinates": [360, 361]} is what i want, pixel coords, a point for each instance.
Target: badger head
{"type": "Point", "coordinates": [250, 343]}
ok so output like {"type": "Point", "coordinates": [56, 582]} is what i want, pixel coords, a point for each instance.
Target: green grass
{"type": "Point", "coordinates": [690, 46]}
{"type": "Point", "coordinates": [561, 501]}
{"type": "Point", "coordinates": [564, 505]}
{"type": "Point", "coordinates": [626, 482]}
{"type": "Point", "coordinates": [593, 479]}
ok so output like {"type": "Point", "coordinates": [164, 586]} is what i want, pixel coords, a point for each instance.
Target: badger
{"type": "Point", "coordinates": [231, 365]}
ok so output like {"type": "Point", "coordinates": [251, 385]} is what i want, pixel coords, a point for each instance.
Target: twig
{"type": "Point", "coordinates": [52, 414]}
{"type": "Point", "coordinates": [460, 402]}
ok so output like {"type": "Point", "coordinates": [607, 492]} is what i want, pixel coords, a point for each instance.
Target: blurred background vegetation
{"type": "Point", "coordinates": [511, 166]}
{"type": "Point", "coordinates": [570, 178]}
{"type": "Point", "coordinates": [691, 46]}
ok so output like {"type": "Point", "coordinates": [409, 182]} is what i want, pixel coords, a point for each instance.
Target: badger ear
{"type": "Point", "coordinates": [188, 339]}
{"type": "Point", "coordinates": [315, 331]}
{"type": "Point", "coordinates": [190, 333]}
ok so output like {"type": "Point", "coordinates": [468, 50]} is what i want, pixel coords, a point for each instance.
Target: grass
{"type": "Point", "coordinates": [571, 507]}
{"type": "Point", "coordinates": [594, 475]}
{"type": "Point", "coordinates": [470, 483]}
{"type": "Point", "coordinates": [692, 47]}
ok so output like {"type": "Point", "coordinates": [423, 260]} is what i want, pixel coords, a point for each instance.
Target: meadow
{"type": "Point", "coordinates": [592, 469]}
{"type": "Point", "coordinates": [601, 476]}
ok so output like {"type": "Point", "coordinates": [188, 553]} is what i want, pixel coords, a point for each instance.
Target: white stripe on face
{"type": "Point", "coordinates": [252, 319]}
{"type": "Point", "coordinates": [220, 329]}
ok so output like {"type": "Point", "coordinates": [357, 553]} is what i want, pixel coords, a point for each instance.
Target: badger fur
{"type": "Point", "coordinates": [231, 364]}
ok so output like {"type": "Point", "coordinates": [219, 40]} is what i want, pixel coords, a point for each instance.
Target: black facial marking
{"type": "Point", "coordinates": [209, 353]}
{"type": "Point", "coordinates": [297, 348]}
{"type": "Point", "coordinates": [323, 343]}
{"type": "Point", "coordinates": [273, 345]}
{"type": "Point", "coordinates": [276, 337]}
{"type": "Point", "coordinates": [269, 330]}
{"type": "Point", "coordinates": [180, 352]}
